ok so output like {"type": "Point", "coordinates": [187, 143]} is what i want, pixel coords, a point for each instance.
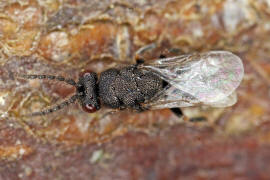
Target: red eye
{"type": "Point", "coordinates": [85, 73]}
{"type": "Point", "coordinates": [89, 108]}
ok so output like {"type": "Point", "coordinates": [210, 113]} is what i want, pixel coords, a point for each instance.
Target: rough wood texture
{"type": "Point", "coordinates": [66, 37]}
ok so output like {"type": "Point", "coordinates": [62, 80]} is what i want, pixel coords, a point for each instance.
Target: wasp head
{"type": "Point", "coordinates": [87, 91]}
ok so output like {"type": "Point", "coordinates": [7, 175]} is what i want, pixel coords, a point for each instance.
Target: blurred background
{"type": "Point", "coordinates": [65, 37]}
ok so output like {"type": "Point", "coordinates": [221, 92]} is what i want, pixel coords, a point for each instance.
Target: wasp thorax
{"type": "Point", "coordinates": [87, 91]}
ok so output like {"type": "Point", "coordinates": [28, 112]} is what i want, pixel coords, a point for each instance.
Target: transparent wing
{"type": "Point", "coordinates": [199, 79]}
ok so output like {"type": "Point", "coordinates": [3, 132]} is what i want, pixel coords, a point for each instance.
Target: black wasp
{"type": "Point", "coordinates": [188, 80]}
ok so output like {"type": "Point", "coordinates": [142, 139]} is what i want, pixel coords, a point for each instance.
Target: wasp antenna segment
{"type": "Point", "coordinates": [48, 77]}
{"type": "Point", "coordinates": [55, 108]}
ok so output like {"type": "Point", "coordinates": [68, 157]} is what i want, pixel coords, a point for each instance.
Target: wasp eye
{"type": "Point", "coordinates": [89, 108]}
{"type": "Point", "coordinates": [85, 73]}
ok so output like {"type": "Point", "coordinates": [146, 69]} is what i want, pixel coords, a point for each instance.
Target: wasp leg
{"type": "Point", "coordinates": [198, 119]}
{"type": "Point", "coordinates": [162, 56]}
{"type": "Point", "coordinates": [139, 62]}
{"type": "Point", "coordinates": [177, 51]}
{"type": "Point", "coordinates": [139, 53]}
{"type": "Point", "coordinates": [177, 111]}
{"type": "Point", "coordinates": [139, 108]}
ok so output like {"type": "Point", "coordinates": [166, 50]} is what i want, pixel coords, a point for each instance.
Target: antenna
{"type": "Point", "coordinates": [66, 103]}
{"type": "Point", "coordinates": [49, 77]}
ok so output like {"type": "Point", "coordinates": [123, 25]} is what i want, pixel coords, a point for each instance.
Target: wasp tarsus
{"type": "Point", "coordinates": [177, 111]}
{"type": "Point", "coordinates": [198, 119]}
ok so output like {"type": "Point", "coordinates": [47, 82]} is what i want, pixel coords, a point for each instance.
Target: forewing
{"type": "Point", "coordinates": [209, 78]}
{"type": "Point", "coordinates": [171, 97]}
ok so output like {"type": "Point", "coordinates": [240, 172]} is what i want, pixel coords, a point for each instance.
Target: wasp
{"type": "Point", "coordinates": [208, 79]}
